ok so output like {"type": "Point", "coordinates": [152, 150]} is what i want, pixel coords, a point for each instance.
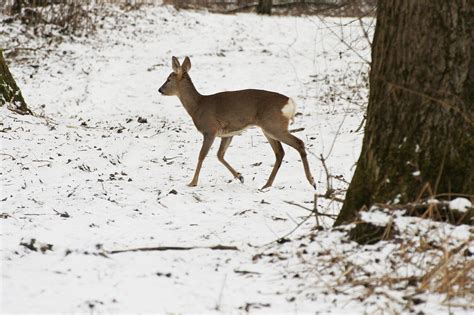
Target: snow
{"type": "Point", "coordinates": [461, 204]}
{"type": "Point", "coordinates": [90, 176]}
{"type": "Point", "coordinates": [376, 217]}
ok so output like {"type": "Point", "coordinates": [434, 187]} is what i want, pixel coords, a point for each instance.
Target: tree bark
{"type": "Point", "coordinates": [16, 7]}
{"type": "Point", "coordinates": [265, 7]}
{"type": "Point", "coordinates": [420, 117]}
{"type": "Point", "coordinates": [9, 91]}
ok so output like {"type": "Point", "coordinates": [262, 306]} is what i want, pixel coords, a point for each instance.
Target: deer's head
{"type": "Point", "coordinates": [171, 86]}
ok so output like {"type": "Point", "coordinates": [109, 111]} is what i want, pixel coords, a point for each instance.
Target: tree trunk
{"type": "Point", "coordinates": [9, 91]}
{"type": "Point", "coordinates": [420, 117]}
{"type": "Point", "coordinates": [16, 7]}
{"type": "Point", "coordinates": [265, 7]}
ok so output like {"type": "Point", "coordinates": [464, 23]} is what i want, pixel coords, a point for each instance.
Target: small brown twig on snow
{"type": "Point", "coordinates": [165, 248]}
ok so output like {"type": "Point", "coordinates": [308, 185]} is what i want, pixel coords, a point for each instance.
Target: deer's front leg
{"type": "Point", "coordinates": [206, 145]}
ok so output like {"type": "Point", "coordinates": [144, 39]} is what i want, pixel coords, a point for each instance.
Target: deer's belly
{"type": "Point", "coordinates": [230, 133]}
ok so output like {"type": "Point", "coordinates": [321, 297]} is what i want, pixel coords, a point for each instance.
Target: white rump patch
{"type": "Point", "coordinates": [289, 110]}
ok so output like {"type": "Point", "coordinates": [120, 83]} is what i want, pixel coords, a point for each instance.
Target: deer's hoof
{"type": "Point", "coordinates": [192, 184]}
{"type": "Point", "coordinates": [266, 186]}
{"type": "Point", "coordinates": [241, 178]}
{"type": "Point", "coordinates": [314, 185]}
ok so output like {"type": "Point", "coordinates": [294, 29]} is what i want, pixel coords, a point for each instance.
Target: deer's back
{"type": "Point", "coordinates": [236, 110]}
{"type": "Point", "coordinates": [244, 101]}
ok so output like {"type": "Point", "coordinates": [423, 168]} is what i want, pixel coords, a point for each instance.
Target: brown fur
{"type": "Point", "coordinates": [226, 114]}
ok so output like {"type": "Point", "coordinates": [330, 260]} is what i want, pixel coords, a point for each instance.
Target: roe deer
{"type": "Point", "coordinates": [227, 114]}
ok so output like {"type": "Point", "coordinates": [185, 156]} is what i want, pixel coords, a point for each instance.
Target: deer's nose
{"type": "Point", "coordinates": [159, 90]}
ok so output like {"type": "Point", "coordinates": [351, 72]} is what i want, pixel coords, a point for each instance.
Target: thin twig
{"type": "Point", "coordinates": [361, 123]}
{"type": "Point", "coordinates": [342, 40]}
{"type": "Point", "coordinates": [165, 248]}
{"type": "Point", "coordinates": [295, 130]}
{"type": "Point", "coordinates": [291, 232]}
{"type": "Point", "coordinates": [332, 216]}
{"type": "Point", "coordinates": [9, 155]}
{"type": "Point", "coordinates": [218, 304]}
{"type": "Point", "coordinates": [445, 104]}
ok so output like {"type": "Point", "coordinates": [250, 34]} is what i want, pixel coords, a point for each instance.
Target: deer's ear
{"type": "Point", "coordinates": [186, 64]}
{"type": "Point", "coordinates": [175, 64]}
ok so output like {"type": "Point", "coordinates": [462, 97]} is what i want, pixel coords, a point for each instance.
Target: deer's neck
{"type": "Point", "coordinates": [188, 95]}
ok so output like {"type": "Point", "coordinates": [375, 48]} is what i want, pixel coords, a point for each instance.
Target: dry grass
{"type": "Point", "coordinates": [425, 261]}
{"type": "Point", "coordinates": [353, 8]}
{"type": "Point", "coordinates": [64, 16]}
{"type": "Point", "coordinates": [453, 274]}
{"type": "Point", "coordinates": [437, 262]}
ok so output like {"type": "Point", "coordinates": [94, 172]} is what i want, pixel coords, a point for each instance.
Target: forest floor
{"type": "Point", "coordinates": [104, 164]}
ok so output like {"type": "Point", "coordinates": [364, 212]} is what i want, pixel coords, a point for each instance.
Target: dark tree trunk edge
{"type": "Point", "coordinates": [9, 91]}
{"type": "Point", "coordinates": [419, 135]}
{"type": "Point", "coordinates": [265, 7]}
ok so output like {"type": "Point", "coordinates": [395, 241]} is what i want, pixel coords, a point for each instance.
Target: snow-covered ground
{"type": "Point", "coordinates": [106, 169]}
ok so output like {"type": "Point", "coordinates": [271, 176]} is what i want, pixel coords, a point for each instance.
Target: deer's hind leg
{"type": "Point", "coordinates": [280, 132]}
{"type": "Point", "coordinates": [225, 142]}
{"type": "Point", "coordinates": [279, 154]}
{"type": "Point", "coordinates": [298, 144]}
